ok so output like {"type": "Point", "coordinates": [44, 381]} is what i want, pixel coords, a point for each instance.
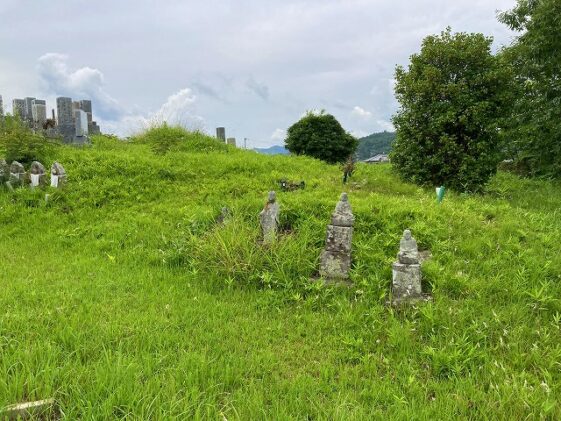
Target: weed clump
{"type": "Point", "coordinates": [19, 143]}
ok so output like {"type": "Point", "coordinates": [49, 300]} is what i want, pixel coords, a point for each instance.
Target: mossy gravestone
{"type": "Point", "coordinates": [17, 174]}
{"type": "Point", "coordinates": [335, 260]}
{"type": "Point", "coordinates": [4, 171]}
{"type": "Point", "coordinates": [406, 283]}
{"type": "Point", "coordinates": [269, 218]}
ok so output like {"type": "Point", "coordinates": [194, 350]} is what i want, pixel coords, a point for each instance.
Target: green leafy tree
{"type": "Point", "coordinates": [320, 135]}
{"type": "Point", "coordinates": [535, 55]}
{"type": "Point", "coordinates": [453, 96]}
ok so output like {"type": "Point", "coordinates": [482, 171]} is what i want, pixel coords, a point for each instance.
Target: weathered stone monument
{"type": "Point", "coordinates": [231, 141]}
{"type": "Point", "coordinates": [335, 260]}
{"type": "Point", "coordinates": [17, 174]}
{"type": "Point", "coordinates": [37, 174]}
{"type": "Point", "coordinates": [221, 133]}
{"type": "Point", "coordinates": [269, 218]}
{"type": "Point", "coordinates": [58, 175]}
{"type": "Point", "coordinates": [406, 284]}
{"type": "Point", "coordinates": [4, 171]}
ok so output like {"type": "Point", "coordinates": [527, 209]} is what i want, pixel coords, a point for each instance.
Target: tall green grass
{"type": "Point", "coordinates": [122, 297]}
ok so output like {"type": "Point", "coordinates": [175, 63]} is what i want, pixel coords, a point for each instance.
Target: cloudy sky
{"type": "Point", "coordinates": [253, 66]}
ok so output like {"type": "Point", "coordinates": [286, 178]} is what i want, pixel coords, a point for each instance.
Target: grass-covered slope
{"type": "Point", "coordinates": [121, 296]}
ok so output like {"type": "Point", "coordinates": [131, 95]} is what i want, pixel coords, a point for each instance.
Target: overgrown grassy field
{"type": "Point", "coordinates": [122, 297]}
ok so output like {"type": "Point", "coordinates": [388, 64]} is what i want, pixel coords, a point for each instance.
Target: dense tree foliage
{"type": "Point", "coordinates": [320, 135]}
{"type": "Point", "coordinates": [374, 144]}
{"type": "Point", "coordinates": [452, 98]}
{"type": "Point", "coordinates": [535, 126]}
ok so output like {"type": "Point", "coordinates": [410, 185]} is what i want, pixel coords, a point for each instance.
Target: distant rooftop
{"type": "Point", "coordinates": [378, 158]}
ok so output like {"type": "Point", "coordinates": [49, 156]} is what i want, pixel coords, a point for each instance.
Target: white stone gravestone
{"type": "Point", "coordinates": [37, 174]}
{"type": "Point", "coordinates": [58, 175]}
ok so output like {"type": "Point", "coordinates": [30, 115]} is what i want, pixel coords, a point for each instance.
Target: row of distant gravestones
{"type": "Point", "coordinates": [335, 260]}
{"type": "Point", "coordinates": [14, 175]}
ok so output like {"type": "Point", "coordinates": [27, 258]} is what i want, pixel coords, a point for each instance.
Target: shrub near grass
{"type": "Point", "coordinates": [19, 143]}
{"type": "Point", "coordinates": [123, 298]}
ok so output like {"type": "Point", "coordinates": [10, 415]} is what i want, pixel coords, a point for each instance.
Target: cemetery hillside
{"type": "Point", "coordinates": [142, 289]}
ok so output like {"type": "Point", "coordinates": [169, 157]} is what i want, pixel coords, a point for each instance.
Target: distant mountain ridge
{"type": "Point", "coordinates": [273, 150]}
{"type": "Point", "coordinates": [376, 143]}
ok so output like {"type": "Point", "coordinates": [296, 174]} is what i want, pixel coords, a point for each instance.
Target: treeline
{"type": "Point", "coordinates": [374, 144]}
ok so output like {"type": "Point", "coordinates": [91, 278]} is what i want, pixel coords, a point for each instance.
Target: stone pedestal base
{"type": "Point", "coordinates": [406, 284]}
{"type": "Point", "coordinates": [334, 266]}
{"type": "Point", "coordinates": [38, 180]}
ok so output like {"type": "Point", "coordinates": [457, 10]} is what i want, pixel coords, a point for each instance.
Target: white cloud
{"type": "Point", "coordinates": [177, 110]}
{"type": "Point", "coordinates": [385, 125]}
{"type": "Point", "coordinates": [361, 112]}
{"type": "Point", "coordinates": [83, 83]}
{"type": "Point", "coordinates": [278, 134]}
{"type": "Point", "coordinates": [359, 133]}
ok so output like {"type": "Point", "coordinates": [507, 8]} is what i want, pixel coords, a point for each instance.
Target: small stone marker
{"type": "Point", "coordinates": [231, 141]}
{"type": "Point", "coordinates": [17, 174]}
{"type": "Point", "coordinates": [58, 175]}
{"type": "Point", "coordinates": [269, 218]}
{"type": "Point", "coordinates": [406, 284]}
{"type": "Point", "coordinates": [335, 260]}
{"type": "Point", "coordinates": [37, 174]}
{"type": "Point", "coordinates": [28, 410]}
{"type": "Point", "coordinates": [225, 214]}
{"type": "Point", "coordinates": [4, 170]}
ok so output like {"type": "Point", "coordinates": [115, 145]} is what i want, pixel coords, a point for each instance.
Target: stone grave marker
{"type": "Point", "coordinates": [221, 134]}
{"type": "Point", "coordinates": [224, 216]}
{"type": "Point", "coordinates": [406, 283]}
{"type": "Point", "coordinates": [4, 171]}
{"type": "Point", "coordinates": [17, 174]}
{"type": "Point", "coordinates": [335, 260]}
{"type": "Point", "coordinates": [58, 175]}
{"type": "Point", "coordinates": [37, 174]}
{"type": "Point", "coordinates": [269, 218]}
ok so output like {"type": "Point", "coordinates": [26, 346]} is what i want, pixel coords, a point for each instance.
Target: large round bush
{"type": "Point", "coordinates": [320, 135]}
